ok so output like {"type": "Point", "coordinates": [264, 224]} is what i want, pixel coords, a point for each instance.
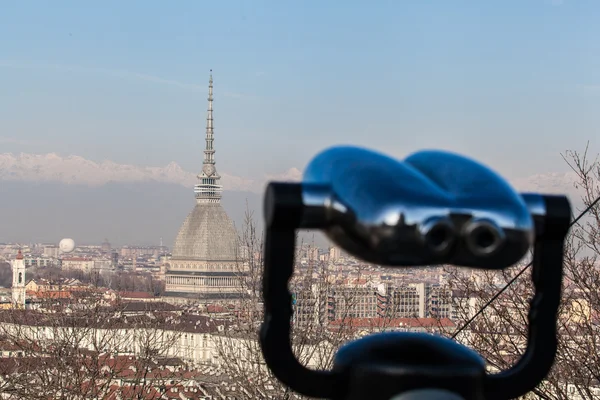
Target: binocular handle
{"type": "Point", "coordinates": [283, 212]}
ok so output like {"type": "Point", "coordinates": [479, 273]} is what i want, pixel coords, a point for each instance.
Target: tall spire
{"type": "Point", "coordinates": [209, 152]}
{"type": "Point", "coordinates": [209, 190]}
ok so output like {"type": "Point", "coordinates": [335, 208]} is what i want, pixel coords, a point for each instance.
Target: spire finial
{"type": "Point", "coordinates": [209, 190]}
{"type": "Point", "coordinates": [19, 255]}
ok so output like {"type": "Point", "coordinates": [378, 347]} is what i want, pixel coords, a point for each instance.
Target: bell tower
{"type": "Point", "coordinates": [18, 283]}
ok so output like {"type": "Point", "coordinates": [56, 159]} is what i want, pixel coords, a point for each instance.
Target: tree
{"type": "Point", "coordinates": [82, 347]}
{"type": "Point", "coordinates": [313, 344]}
{"type": "Point", "coordinates": [5, 274]}
{"type": "Point", "coordinates": [116, 280]}
{"type": "Point", "coordinates": [499, 333]}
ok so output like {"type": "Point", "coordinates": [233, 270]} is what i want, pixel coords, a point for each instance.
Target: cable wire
{"type": "Point", "coordinates": [482, 309]}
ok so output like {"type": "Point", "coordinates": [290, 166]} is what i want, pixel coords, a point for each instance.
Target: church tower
{"type": "Point", "coordinates": [18, 284]}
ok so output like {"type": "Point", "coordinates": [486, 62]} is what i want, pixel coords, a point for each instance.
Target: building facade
{"type": "Point", "coordinates": [205, 262]}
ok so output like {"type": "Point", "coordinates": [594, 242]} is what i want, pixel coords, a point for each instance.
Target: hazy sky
{"type": "Point", "coordinates": [513, 83]}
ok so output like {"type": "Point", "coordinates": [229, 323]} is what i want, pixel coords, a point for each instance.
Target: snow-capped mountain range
{"type": "Point", "coordinates": [78, 170]}
{"type": "Point", "coordinates": [73, 169]}
{"type": "Point", "coordinates": [552, 183]}
{"type": "Point", "coordinates": [54, 195]}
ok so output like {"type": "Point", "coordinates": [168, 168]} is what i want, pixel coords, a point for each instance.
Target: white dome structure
{"type": "Point", "coordinates": [66, 245]}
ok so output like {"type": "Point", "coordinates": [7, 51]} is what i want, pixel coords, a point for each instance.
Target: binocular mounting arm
{"type": "Point", "coordinates": [385, 365]}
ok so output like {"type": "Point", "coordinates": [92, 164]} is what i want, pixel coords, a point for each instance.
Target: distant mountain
{"type": "Point", "coordinates": [78, 170]}
{"type": "Point", "coordinates": [44, 198]}
{"type": "Point", "coordinates": [549, 183]}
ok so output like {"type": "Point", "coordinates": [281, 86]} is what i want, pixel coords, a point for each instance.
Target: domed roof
{"type": "Point", "coordinates": [207, 234]}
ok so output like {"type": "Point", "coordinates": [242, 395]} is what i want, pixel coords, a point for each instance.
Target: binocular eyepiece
{"type": "Point", "coordinates": [482, 237]}
{"type": "Point", "coordinates": [408, 213]}
{"type": "Point", "coordinates": [438, 235]}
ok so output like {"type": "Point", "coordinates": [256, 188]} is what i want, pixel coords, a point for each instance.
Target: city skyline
{"type": "Point", "coordinates": [133, 261]}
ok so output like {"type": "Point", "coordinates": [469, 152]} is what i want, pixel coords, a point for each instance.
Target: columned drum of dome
{"type": "Point", "coordinates": [205, 258]}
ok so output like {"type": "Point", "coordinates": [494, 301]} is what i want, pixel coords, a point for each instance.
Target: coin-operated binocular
{"type": "Point", "coordinates": [431, 208]}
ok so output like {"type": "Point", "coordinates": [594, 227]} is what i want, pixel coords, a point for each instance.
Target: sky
{"type": "Point", "coordinates": [512, 83]}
